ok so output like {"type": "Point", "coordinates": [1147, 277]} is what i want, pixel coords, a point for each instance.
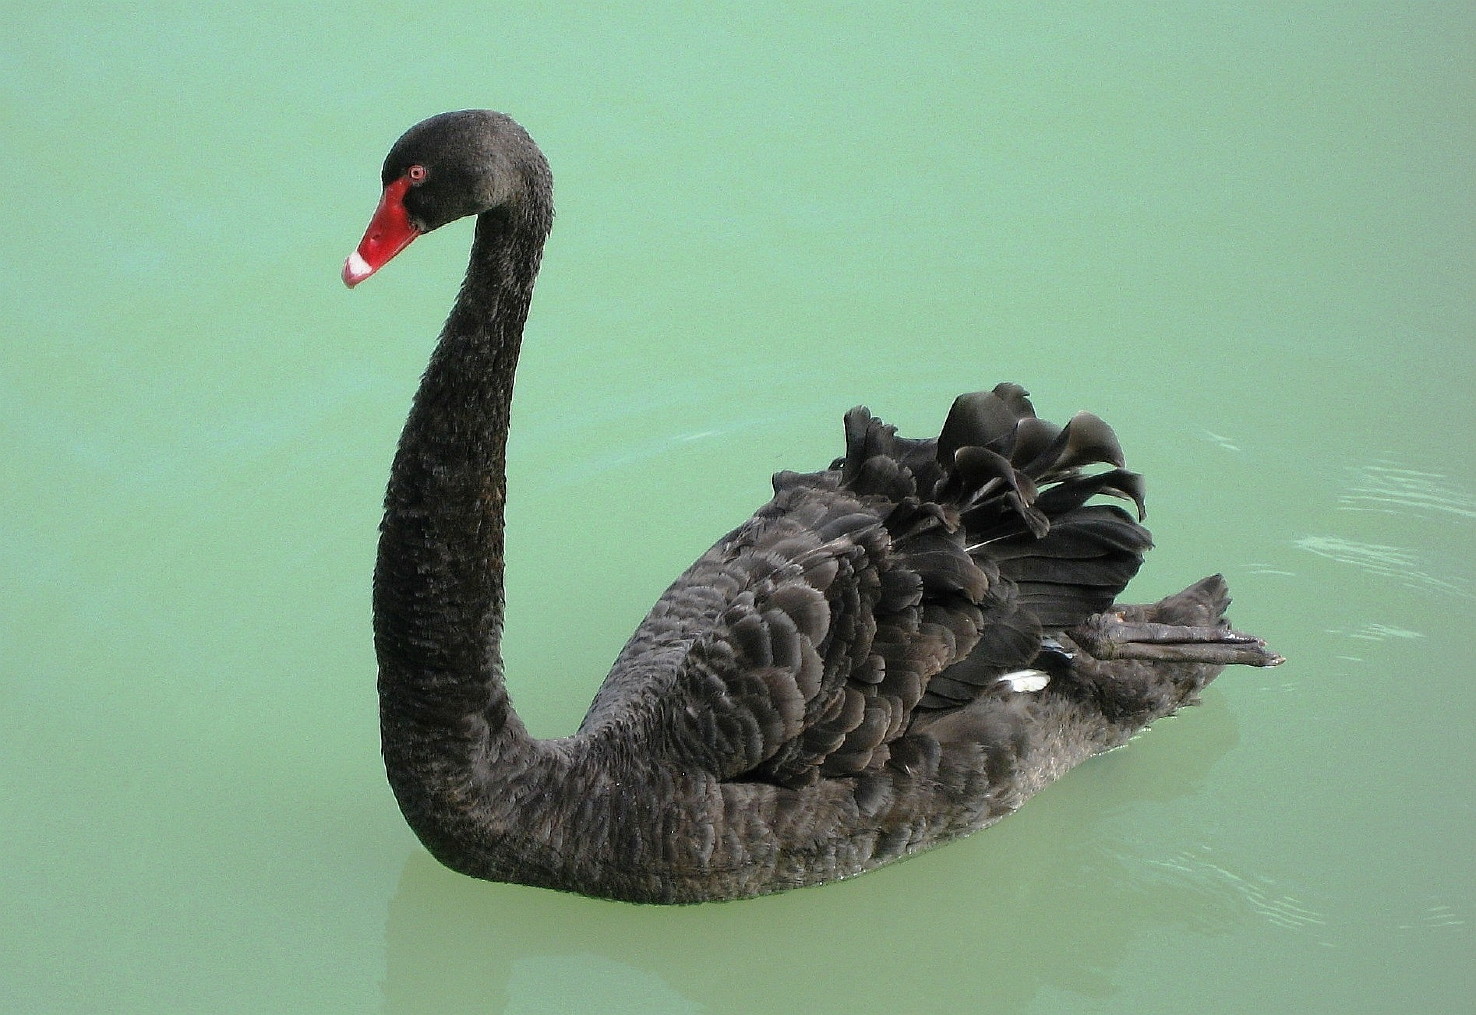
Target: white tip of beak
{"type": "Point", "coordinates": [355, 270]}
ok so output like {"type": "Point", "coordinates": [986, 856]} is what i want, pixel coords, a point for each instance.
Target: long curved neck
{"type": "Point", "coordinates": [438, 584]}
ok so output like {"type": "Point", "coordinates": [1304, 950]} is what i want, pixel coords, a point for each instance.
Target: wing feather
{"type": "Point", "coordinates": [904, 580]}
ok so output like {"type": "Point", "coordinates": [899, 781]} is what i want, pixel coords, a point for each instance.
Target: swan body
{"type": "Point", "coordinates": [896, 650]}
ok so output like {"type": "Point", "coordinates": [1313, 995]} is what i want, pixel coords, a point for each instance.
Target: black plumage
{"type": "Point", "coordinates": [896, 650]}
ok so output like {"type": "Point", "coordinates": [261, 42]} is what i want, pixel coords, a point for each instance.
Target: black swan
{"type": "Point", "coordinates": [896, 650]}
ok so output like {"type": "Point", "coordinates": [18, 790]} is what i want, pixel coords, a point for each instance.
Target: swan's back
{"type": "Point", "coordinates": [829, 634]}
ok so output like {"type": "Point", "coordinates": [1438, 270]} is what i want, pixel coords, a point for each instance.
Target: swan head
{"type": "Point", "coordinates": [442, 169]}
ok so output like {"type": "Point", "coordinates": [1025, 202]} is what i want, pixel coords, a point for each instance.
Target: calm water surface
{"type": "Point", "coordinates": [1242, 233]}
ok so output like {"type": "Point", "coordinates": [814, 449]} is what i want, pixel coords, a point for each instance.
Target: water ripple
{"type": "Point", "coordinates": [1434, 917]}
{"type": "Point", "coordinates": [1379, 632]}
{"type": "Point", "coordinates": [1393, 490]}
{"type": "Point", "coordinates": [1258, 894]}
{"type": "Point", "coordinates": [1221, 440]}
{"type": "Point", "coordinates": [1211, 876]}
{"type": "Point", "coordinates": [1389, 561]}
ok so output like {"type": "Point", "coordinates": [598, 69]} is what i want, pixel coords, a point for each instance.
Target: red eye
{"type": "Point", "coordinates": [416, 173]}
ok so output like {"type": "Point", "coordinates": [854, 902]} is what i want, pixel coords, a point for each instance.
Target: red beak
{"type": "Point", "coordinates": [389, 233]}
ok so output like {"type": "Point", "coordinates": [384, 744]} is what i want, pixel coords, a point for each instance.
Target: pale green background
{"type": "Point", "coordinates": [1243, 233]}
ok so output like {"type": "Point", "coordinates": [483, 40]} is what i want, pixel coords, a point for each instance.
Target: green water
{"type": "Point", "coordinates": [1243, 233]}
